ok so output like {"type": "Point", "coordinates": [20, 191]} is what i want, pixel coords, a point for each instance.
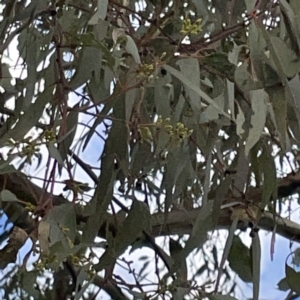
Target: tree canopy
{"type": "Point", "coordinates": [142, 128]}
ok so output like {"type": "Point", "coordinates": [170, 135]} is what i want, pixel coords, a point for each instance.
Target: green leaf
{"type": "Point", "coordinates": [226, 250]}
{"type": "Point", "coordinates": [86, 66]}
{"type": "Point", "coordinates": [268, 169]}
{"type": "Point", "coordinates": [190, 69]}
{"type": "Point", "coordinates": [294, 89]}
{"type": "Point", "coordinates": [5, 167]}
{"type": "Point", "coordinates": [211, 113]}
{"type": "Point", "coordinates": [163, 91]}
{"type": "Point", "coordinates": [258, 119]}
{"type": "Point", "coordinates": [293, 278]}
{"type": "Point", "coordinates": [54, 153]}
{"type": "Point", "coordinates": [132, 49]}
{"type": "Point", "coordinates": [256, 257]}
{"type": "Point", "coordinates": [5, 80]}
{"type": "Point", "coordinates": [290, 19]}
{"type": "Point", "coordinates": [180, 292]}
{"type": "Point", "coordinates": [239, 260]}
{"type": "Point", "coordinates": [44, 237]}
{"type": "Point", "coordinates": [283, 58]}
{"type": "Point", "coordinates": [179, 265]}
{"type": "Point", "coordinates": [32, 115]}
{"type": "Point", "coordinates": [101, 12]}
{"type": "Point", "coordinates": [7, 196]}
{"type": "Point", "coordinates": [28, 280]}
{"type": "Point", "coordinates": [82, 283]}
{"type": "Point", "coordinates": [173, 170]}
{"type": "Point", "coordinates": [296, 257]}
{"type": "Point", "coordinates": [244, 79]}
{"type": "Point", "coordinates": [119, 36]}
{"type": "Point", "coordinates": [66, 140]}
{"type": "Point", "coordinates": [219, 61]}
{"type": "Point", "coordinates": [196, 89]}
{"type": "Point", "coordinates": [63, 226]}
{"type": "Point", "coordinates": [283, 285]}
{"type": "Point", "coordinates": [221, 191]}
{"type": "Point", "coordinates": [138, 219]}
{"type": "Point", "coordinates": [203, 224]}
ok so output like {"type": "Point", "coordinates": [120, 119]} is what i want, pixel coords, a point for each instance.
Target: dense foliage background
{"type": "Point", "coordinates": [146, 126]}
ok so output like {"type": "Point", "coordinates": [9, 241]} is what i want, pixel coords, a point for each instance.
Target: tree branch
{"type": "Point", "coordinates": [178, 222]}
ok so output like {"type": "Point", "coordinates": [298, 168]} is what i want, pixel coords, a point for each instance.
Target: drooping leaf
{"type": "Point", "coordinates": [32, 115]}
{"type": "Point", "coordinates": [226, 250]}
{"type": "Point", "coordinates": [100, 13]}
{"type": "Point", "coordinates": [82, 283]}
{"type": "Point", "coordinates": [240, 260]}
{"type": "Point", "coordinates": [44, 237]}
{"type": "Point", "coordinates": [195, 88]}
{"type": "Point", "coordinates": [258, 119]}
{"type": "Point", "coordinates": [256, 261]}
{"type": "Point", "coordinates": [283, 285]}
{"type": "Point", "coordinates": [203, 224]}
{"type": "Point", "coordinates": [283, 55]}
{"type": "Point", "coordinates": [54, 153]}
{"type": "Point", "coordinates": [138, 219]}
{"type": "Point", "coordinates": [268, 169]}
{"type": "Point", "coordinates": [296, 257]}
{"type": "Point", "coordinates": [190, 68]}
{"type": "Point", "coordinates": [66, 140]}
{"type": "Point", "coordinates": [180, 292]}
{"type": "Point", "coordinates": [86, 66]}
{"type": "Point", "coordinates": [180, 266]}
{"type": "Point", "coordinates": [173, 170]}
{"type": "Point", "coordinates": [293, 278]}
{"type": "Point", "coordinates": [63, 227]}
{"type": "Point", "coordinates": [7, 196]}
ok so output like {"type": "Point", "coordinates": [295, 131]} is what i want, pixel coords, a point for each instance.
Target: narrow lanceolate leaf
{"type": "Point", "coordinates": [226, 250]}
{"type": "Point", "coordinates": [132, 49]}
{"type": "Point", "coordinates": [240, 260]}
{"type": "Point", "coordinates": [32, 115]}
{"type": "Point", "coordinates": [63, 225]}
{"type": "Point", "coordinates": [7, 196]}
{"type": "Point", "coordinates": [179, 265]}
{"type": "Point", "coordinates": [43, 236]}
{"type": "Point", "coordinates": [282, 57]}
{"type": "Point", "coordinates": [268, 169]}
{"type": "Point", "coordinates": [54, 153]}
{"type": "Point", "coordinates": [66, 140]}
{"type": "Point", "coordinates": [258, 119]}
{"type": "Point", "coordinates": [138, 219]}
{"type": "Point", "coordinates": [86, 66]}
{"type": "Point", "coordinates": [203, 224]}
{"type": "Point", "coordinates": [291, 22]}
{"type": "Point", "coordinates": [293, 279]}
{"type": "Point", "coordinates": [130, 46]}
{"type": "Point", "coordinates": [240, 120]}
{"type": "Point", "coordinates": [187, 82]}
{"type": "Point", "coordinates": [180, 292]}
{"type": "Point", "coordinates": [190, 69]}
{"type": "Point", "coordinates": [101, 12]}
{"type": "Point", "coordinates": [256, 257]}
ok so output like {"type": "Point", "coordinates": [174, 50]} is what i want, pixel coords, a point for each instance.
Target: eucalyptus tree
{"type": "Point", "coordinates": [140, 129]}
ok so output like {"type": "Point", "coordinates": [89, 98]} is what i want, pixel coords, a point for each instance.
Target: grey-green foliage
{"type": "Point", "coordinates": [188, 103]}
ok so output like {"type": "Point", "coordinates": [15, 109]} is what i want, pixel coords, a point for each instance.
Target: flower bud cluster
{"type": "Point", "coordinates": [177, 133]}
{"type": "Point", "coordinates": [191, 28]}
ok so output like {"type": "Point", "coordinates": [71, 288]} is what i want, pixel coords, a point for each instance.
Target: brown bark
{"type": "Point", "coordinates": [178, 222]}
